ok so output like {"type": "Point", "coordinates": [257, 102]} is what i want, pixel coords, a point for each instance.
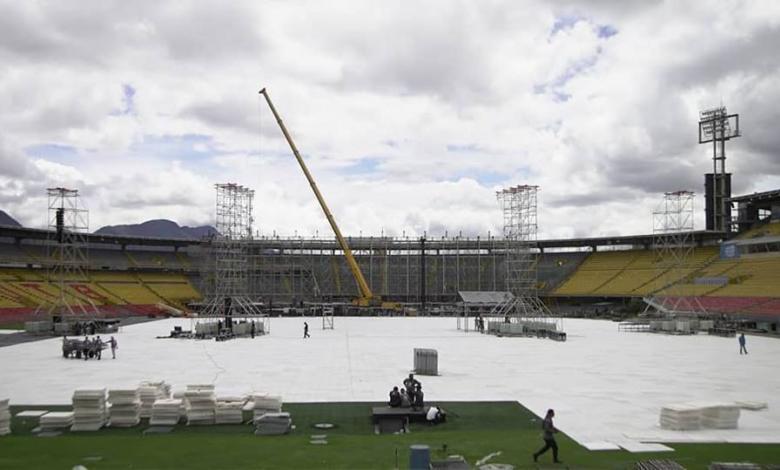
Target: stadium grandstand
{"type": "Point", "coordinates": [727, 273]}
{"type": "Point", "coordinates": [150, 276]}
{"type": "Point", "coordinates": [126, 276]}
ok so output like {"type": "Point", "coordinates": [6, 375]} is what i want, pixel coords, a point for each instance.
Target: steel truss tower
{"type": "Point", "coordinates": [716, 125]}
{"type": "Point", "coordinates": [519, 204]}
{"type": "Point", "coordinates": [228, 267]}
{"type": "Point", "coordinates": [66, 256]}
{"type": "Point", "coordinates": [673, 248]}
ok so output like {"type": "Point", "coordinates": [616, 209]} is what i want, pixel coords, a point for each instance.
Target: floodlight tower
{"type": "Point", "coordinates": [717, 126]}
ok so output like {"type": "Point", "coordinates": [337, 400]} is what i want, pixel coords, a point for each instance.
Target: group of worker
{"type": "Point", "coordinates": [411, 396]}
{"type": "Point", "coordinates": [97, 344]}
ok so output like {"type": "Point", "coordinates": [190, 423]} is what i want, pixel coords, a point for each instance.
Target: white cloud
{"type": "Point", "coordinates": [409, 115]}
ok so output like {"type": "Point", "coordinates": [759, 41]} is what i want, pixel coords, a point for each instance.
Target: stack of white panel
{"type": "Point", "coordinates": [150, 392]}
{"type": "Point", "coordinates": [720, 416]}
{"type": "Point", "coordinates": [229, 410]}
{"type": "Point", "coordinates": [89, 409]}
{"type": "Point", "coordinates": [165, 412]}
{"type": "Point", "coordinates": [751, 405]}
{"type": "Point", "coordinates": [56, 420]}
{"type": "Point", "coordinates": [183, 409]}
{"type": "Point", "coordinates": [681, 417]}
{"type": "Point", "coordinates": [266, 404]}
{"type": "Point", "coordinates": [125, 407]}
{"type": "Point", "coordinates": [271, 424]}
{"type": "Point", "coordinates": [5, 418]}
{"type": "Point", "coordinates": [201, 404]}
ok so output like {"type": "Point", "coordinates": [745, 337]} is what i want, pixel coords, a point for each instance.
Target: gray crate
{"type": "Point", "coordinates": [426, 361]}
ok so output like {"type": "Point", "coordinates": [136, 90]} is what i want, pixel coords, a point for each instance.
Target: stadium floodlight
{"type": "Point", "coordinates": [717, 124]}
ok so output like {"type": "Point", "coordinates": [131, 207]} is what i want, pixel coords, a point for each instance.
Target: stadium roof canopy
{"type": "Point", "coordinates": [700, 237]}
{"type": "Point", "coordinates": [23, 233]}
{"type": "Point", "coordinates": [758, 199]}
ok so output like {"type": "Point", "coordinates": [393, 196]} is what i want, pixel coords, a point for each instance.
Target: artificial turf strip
{"type": "Point", "coordinates": [473, 430]}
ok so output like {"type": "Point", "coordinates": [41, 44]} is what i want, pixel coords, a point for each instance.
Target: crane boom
{"type": "Point", "coordinates": [366, 296]}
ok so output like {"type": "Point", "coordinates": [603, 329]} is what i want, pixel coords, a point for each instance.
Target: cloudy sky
{"type": "Point", "coordinates": [410, 114]}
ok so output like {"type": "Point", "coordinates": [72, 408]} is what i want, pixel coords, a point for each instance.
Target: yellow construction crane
{"type": "Point", "coordinates": [367, 298]}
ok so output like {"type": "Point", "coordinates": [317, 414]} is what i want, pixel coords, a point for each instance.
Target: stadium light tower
{"type": "Point", "coordinates": [716, 125]}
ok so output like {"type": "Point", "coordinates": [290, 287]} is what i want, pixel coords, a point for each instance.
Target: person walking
{"type": "Point", "coordinates": [549, 438]}
{"type": "Point", "coordinates": [112, 342]}
{"type": "Point", "coordinates": [742, 348]}
{"type": "Point", "coordinates": [305, 330]}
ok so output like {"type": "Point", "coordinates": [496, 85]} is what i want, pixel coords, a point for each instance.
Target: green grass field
{"type": "Point", "coordinates": [473, 430]}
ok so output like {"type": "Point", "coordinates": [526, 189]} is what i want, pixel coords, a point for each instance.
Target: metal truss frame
{"type": "Point", "coordinates": [67, 255]}
{"type": "Point", "coordinates": [673, 225]}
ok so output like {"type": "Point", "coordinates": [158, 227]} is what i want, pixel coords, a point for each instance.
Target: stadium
{"type": "Point", "coordinates": [497, 268]}
{"type": "Point", "coordinates": [734, 273]}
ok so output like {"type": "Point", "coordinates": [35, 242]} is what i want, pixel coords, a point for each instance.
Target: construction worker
{"type": "Point", "coordinates": [549, 438]}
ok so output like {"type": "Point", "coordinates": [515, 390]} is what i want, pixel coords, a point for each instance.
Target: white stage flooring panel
{"type": "Point", "coordinates": [604, 385]}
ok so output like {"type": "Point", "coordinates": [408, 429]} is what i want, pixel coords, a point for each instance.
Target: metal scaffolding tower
{"type": "Point", "coordinates": [519, 205]}
{"type": "Point", "coordinates": [717, 126]}
{"type": "Point", "coordinates": [228, 267]}
{"type": "Point", "coordinates": [673, 248]}
{"type": "Point", "coordinates": [66, 256]}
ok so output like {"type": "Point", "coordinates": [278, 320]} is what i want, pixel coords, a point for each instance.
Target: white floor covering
{"type": "Point", "coordinates": [605, 386]}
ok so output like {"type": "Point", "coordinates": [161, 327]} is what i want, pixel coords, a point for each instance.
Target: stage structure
{"type": "Point", "coordinates": [716, 125]}
{"type": "Point", "coordinates": [673, 248]}
{"type": "Point", "coordinates": [228, 267]}
{"type": "Point", "coordinates": [67, 257]}
{"type": "Point", "coordinates": [523, 307]}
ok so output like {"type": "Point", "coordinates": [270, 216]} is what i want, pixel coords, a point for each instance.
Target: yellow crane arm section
{"type": "Point", "coordinates": [365, 291]}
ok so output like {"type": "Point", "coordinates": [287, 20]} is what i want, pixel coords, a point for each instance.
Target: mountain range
{"type": "Point", "coordinates": [160, 228]}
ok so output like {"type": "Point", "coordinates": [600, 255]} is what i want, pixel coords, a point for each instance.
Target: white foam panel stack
{"type": "Point", "coordinates": [700, 415]}
{"type": "Point", "coordinates": [201, 404]}
{"type": "Point", "coordinates": [266, 404]}
{"type": "Point", "coordinates": [165, 412]}
{"type": "Point", "coordinates": [721, 416]}
{"type": "Point", "coordinates": [56, 420]}
{"type": "Point", "coordinates": [89, 409]}
{"type": "Point", "coordinates": [125, 409]}
{"type": "Point", "coordinates": [5, 417]}
{"type": "Point", "coordinates": [229, 410]}
{"type": "Point", "coordinates": [183, 409]}
{"type": "Point", "coordinates": [680, 417]}
{"type": "Point", "coordinates": [271, 424]}
{"type": "Point", "coordinates": [150, 392]}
